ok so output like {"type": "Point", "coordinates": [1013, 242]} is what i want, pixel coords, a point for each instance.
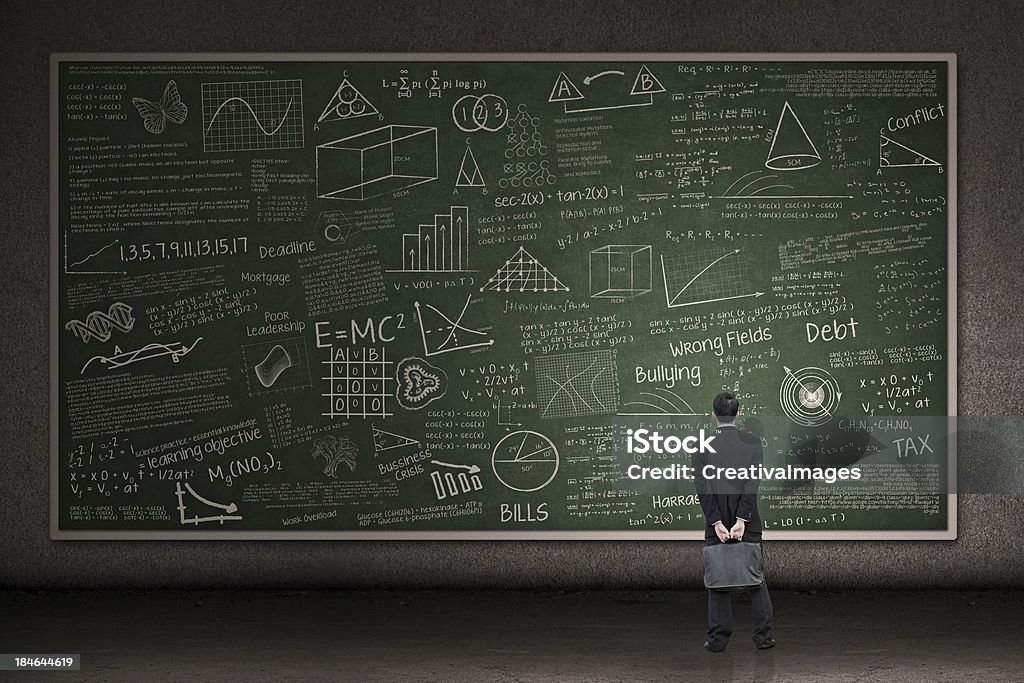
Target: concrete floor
{"type": "Point", "coordinates": [514, 636]}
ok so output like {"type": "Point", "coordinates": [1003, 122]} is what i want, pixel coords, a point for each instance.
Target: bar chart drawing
{"type": "Point", "coordinates": [438, 247]}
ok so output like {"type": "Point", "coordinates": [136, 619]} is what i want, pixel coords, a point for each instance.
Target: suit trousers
{"type": "Point", "coordinates": [720, 616]}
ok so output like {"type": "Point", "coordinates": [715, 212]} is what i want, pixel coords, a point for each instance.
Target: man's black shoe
{"type": "Point", "coordinates": [707, 646]}
{"type": "Point", "coordinates": [766, 644]}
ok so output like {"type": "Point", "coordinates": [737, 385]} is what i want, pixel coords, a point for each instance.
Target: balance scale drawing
{"type": "Point", "coordinates": [228, 509]}
{"type": "Point", "coordinates": [645, 87]}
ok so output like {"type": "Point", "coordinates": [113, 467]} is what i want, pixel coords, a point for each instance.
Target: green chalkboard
{"type": "Point", "coordinates": [428, 296]}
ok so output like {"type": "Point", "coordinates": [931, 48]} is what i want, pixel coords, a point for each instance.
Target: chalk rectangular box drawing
{"type": "Point", "coordinates": [620, 271]}
{"type": "Point", "coordinates": [376, 162]}
{"type": "Point", "coordinates": [389, 158]}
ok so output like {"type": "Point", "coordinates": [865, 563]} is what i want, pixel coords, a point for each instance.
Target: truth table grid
{"type": "Point", "coordinates": [358, 383]}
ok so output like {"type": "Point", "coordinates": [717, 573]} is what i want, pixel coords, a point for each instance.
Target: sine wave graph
{"type": "Point", "coordinates": [252, 115]}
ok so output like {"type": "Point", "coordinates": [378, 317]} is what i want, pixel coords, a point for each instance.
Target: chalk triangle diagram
{"type": "Point", "coordinates": [791, 148]}
{"type": "Point", "coordinates": [564, 90]}
{"type": "Point", "coordinates": [347, 103]}
{"type": "Point", "coordinates": [385, 441]}
{"type": "Point", "coordinates": [469, 171]}
{"type": "Point", "coordinates": [892, 154]}
{"type": "Point", "coordinates": [523, 273]}
{"type": "Point", "coordinates": [646, 83]}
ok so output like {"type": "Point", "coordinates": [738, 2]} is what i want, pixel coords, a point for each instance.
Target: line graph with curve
{"type": "Point", "coordinates": [577, 384]}
{"type": "Point", "coordinates": [705, 277]}
{"type": "Point", "coordinates": [252, 115]}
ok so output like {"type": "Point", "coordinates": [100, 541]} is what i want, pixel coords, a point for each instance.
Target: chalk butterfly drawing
{"type": "Point", "coordinates": [155, 115]}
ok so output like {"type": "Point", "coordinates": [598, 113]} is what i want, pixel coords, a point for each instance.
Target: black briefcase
{"type": "Point", "coordinates": [733, 566]}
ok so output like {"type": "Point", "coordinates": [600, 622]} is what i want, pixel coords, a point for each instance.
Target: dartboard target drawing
{"type": "Point", "coordinates": [809, 396]}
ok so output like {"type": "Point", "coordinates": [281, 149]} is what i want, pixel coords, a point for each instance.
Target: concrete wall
{"type": "Point", "coordinates": [987, 37]}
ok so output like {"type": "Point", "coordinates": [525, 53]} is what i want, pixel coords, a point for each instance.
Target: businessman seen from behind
{"type": "Point", "coordinates": [730, 513]}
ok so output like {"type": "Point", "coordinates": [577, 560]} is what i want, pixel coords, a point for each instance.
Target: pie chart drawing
{"type": "Point", "coordinates": [525, 461]}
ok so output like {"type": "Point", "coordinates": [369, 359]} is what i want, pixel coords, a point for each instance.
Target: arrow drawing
{"type": "Point", "coordinates": [590, 79]}
{"type": "Point", "coordinates": [473, 469]}
{"type": "Point", "coordinates": [228, 509]}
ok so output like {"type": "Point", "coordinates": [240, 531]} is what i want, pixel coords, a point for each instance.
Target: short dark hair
{"type": "Point", "coordinates": [726, 406]}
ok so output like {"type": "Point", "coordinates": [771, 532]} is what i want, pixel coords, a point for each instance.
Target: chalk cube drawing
{"type": "Point", "coordinates": [620, 271]}
{"type": "Point", "coordinates": [376, 162]}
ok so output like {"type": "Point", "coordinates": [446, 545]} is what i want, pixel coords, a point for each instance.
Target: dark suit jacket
{"type": "Point", "coordinates": [727, 499]}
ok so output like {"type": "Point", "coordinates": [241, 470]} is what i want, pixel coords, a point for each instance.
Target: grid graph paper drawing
{"type": "Point", "coordinates": [252, 115]}
{"type": "Point", "coordinates": [524, 273]}
{"type": "Point", "coordinates": [359, 382]}
{"type": "Point", "coordinates": [577, 384]}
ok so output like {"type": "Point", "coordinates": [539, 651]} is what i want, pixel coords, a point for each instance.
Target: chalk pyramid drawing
{"type": "Point", "coordinates": [892, 154]}
{"type": "Point", "coordinates": [791, 148]}
{"type": "Point", "coordinates": [385, 441]}
{"type": "Point", "coordinates": [469, 171]}
{"type": "Point", "coordinates": [347, 103]}
{"type": "Point", "coordinates": [523, 273]}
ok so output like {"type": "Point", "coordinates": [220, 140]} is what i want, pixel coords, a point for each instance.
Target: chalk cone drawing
{"type": "Point", "coordinates": [892, 154]}
{"type": "Point", "coordinates": [347, 103]}
{"type": "Point", "coordinates": [419, 383]}
{"type": "Point", "coordinates": [228, 509]}
{"type": "Point", "coordinates": [792, 148]}
{"type": "Point", "coordinates": [100, 324]}
{"type": "Point", "coordinates": [441, 334]}
{"type": "Point", "coordinates": [525, 461]}
{"type": "Point", "coordinates": [524, 273]}
{"type": "Point", "coordinates": [385, 441]}
{"type": "Point", "coordinates": [809, 396]}
{"type": "Point", "coordinates": [169, 107]}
